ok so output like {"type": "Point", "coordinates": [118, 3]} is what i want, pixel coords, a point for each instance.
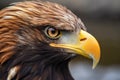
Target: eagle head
{"type": "Point", "coordinates": [38, 39]}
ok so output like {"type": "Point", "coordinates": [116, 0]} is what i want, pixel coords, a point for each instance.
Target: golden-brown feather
{"type": "Point", "coordinates": [23, 15]}
{"type": "Point", "coordinates": [31, 13]}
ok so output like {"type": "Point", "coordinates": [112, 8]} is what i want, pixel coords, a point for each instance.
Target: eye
{"type": "Point", "coordinates": [52, 33]}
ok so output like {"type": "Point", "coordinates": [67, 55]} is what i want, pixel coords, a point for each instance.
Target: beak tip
{"type": "Point", "coordinates": [93, 67]}
{"type": "Point", "coordinates": [95, 62]}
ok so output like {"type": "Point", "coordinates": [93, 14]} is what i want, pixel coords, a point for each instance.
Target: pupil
{"type": "Point", "coordinates": [52, 31]}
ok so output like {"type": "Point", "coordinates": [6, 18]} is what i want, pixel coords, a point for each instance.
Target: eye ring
{"type": "Point", "coordinates": [52, 33]}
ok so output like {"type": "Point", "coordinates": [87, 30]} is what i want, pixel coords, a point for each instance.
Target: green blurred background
{"type": "Point", "coordinates": [102, 19]}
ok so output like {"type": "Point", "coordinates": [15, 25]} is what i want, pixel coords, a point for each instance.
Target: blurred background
{"type": "Point", "coordinates": [102, 19]}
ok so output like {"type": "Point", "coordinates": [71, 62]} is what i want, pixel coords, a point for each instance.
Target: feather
{"type": "Point", "coordinates": [22, 42]}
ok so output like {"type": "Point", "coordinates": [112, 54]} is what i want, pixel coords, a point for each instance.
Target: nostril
{"type": "Point", "coordinates": [83, 39]}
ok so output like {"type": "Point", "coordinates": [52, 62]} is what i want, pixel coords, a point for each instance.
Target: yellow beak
{"type": "Point", "coordinates": [86, 45]}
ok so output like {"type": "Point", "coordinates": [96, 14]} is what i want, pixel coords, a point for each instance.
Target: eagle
{"type": "Point", "coordinates": [38, 39]}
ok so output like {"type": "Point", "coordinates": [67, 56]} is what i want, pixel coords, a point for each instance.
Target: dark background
{"type": "Point", "coordinates": [102, 19]}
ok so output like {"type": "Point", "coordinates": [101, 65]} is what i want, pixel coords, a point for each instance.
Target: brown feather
{"type": "Point", "coordinates": [19, 25]}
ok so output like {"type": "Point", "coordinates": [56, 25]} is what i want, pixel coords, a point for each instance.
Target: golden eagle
{"type": "Point", "coordinates": [38, 39]}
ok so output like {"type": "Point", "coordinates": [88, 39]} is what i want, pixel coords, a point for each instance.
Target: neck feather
{"type": "Point", "coordinates": [40, 71]}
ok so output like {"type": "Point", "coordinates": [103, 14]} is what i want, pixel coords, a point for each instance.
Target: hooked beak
{"type": "Point", "coordinates": [86, 45]}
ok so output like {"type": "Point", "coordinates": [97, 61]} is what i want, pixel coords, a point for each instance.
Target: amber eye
{"type": "Point", "coordinates": [52, 33]}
